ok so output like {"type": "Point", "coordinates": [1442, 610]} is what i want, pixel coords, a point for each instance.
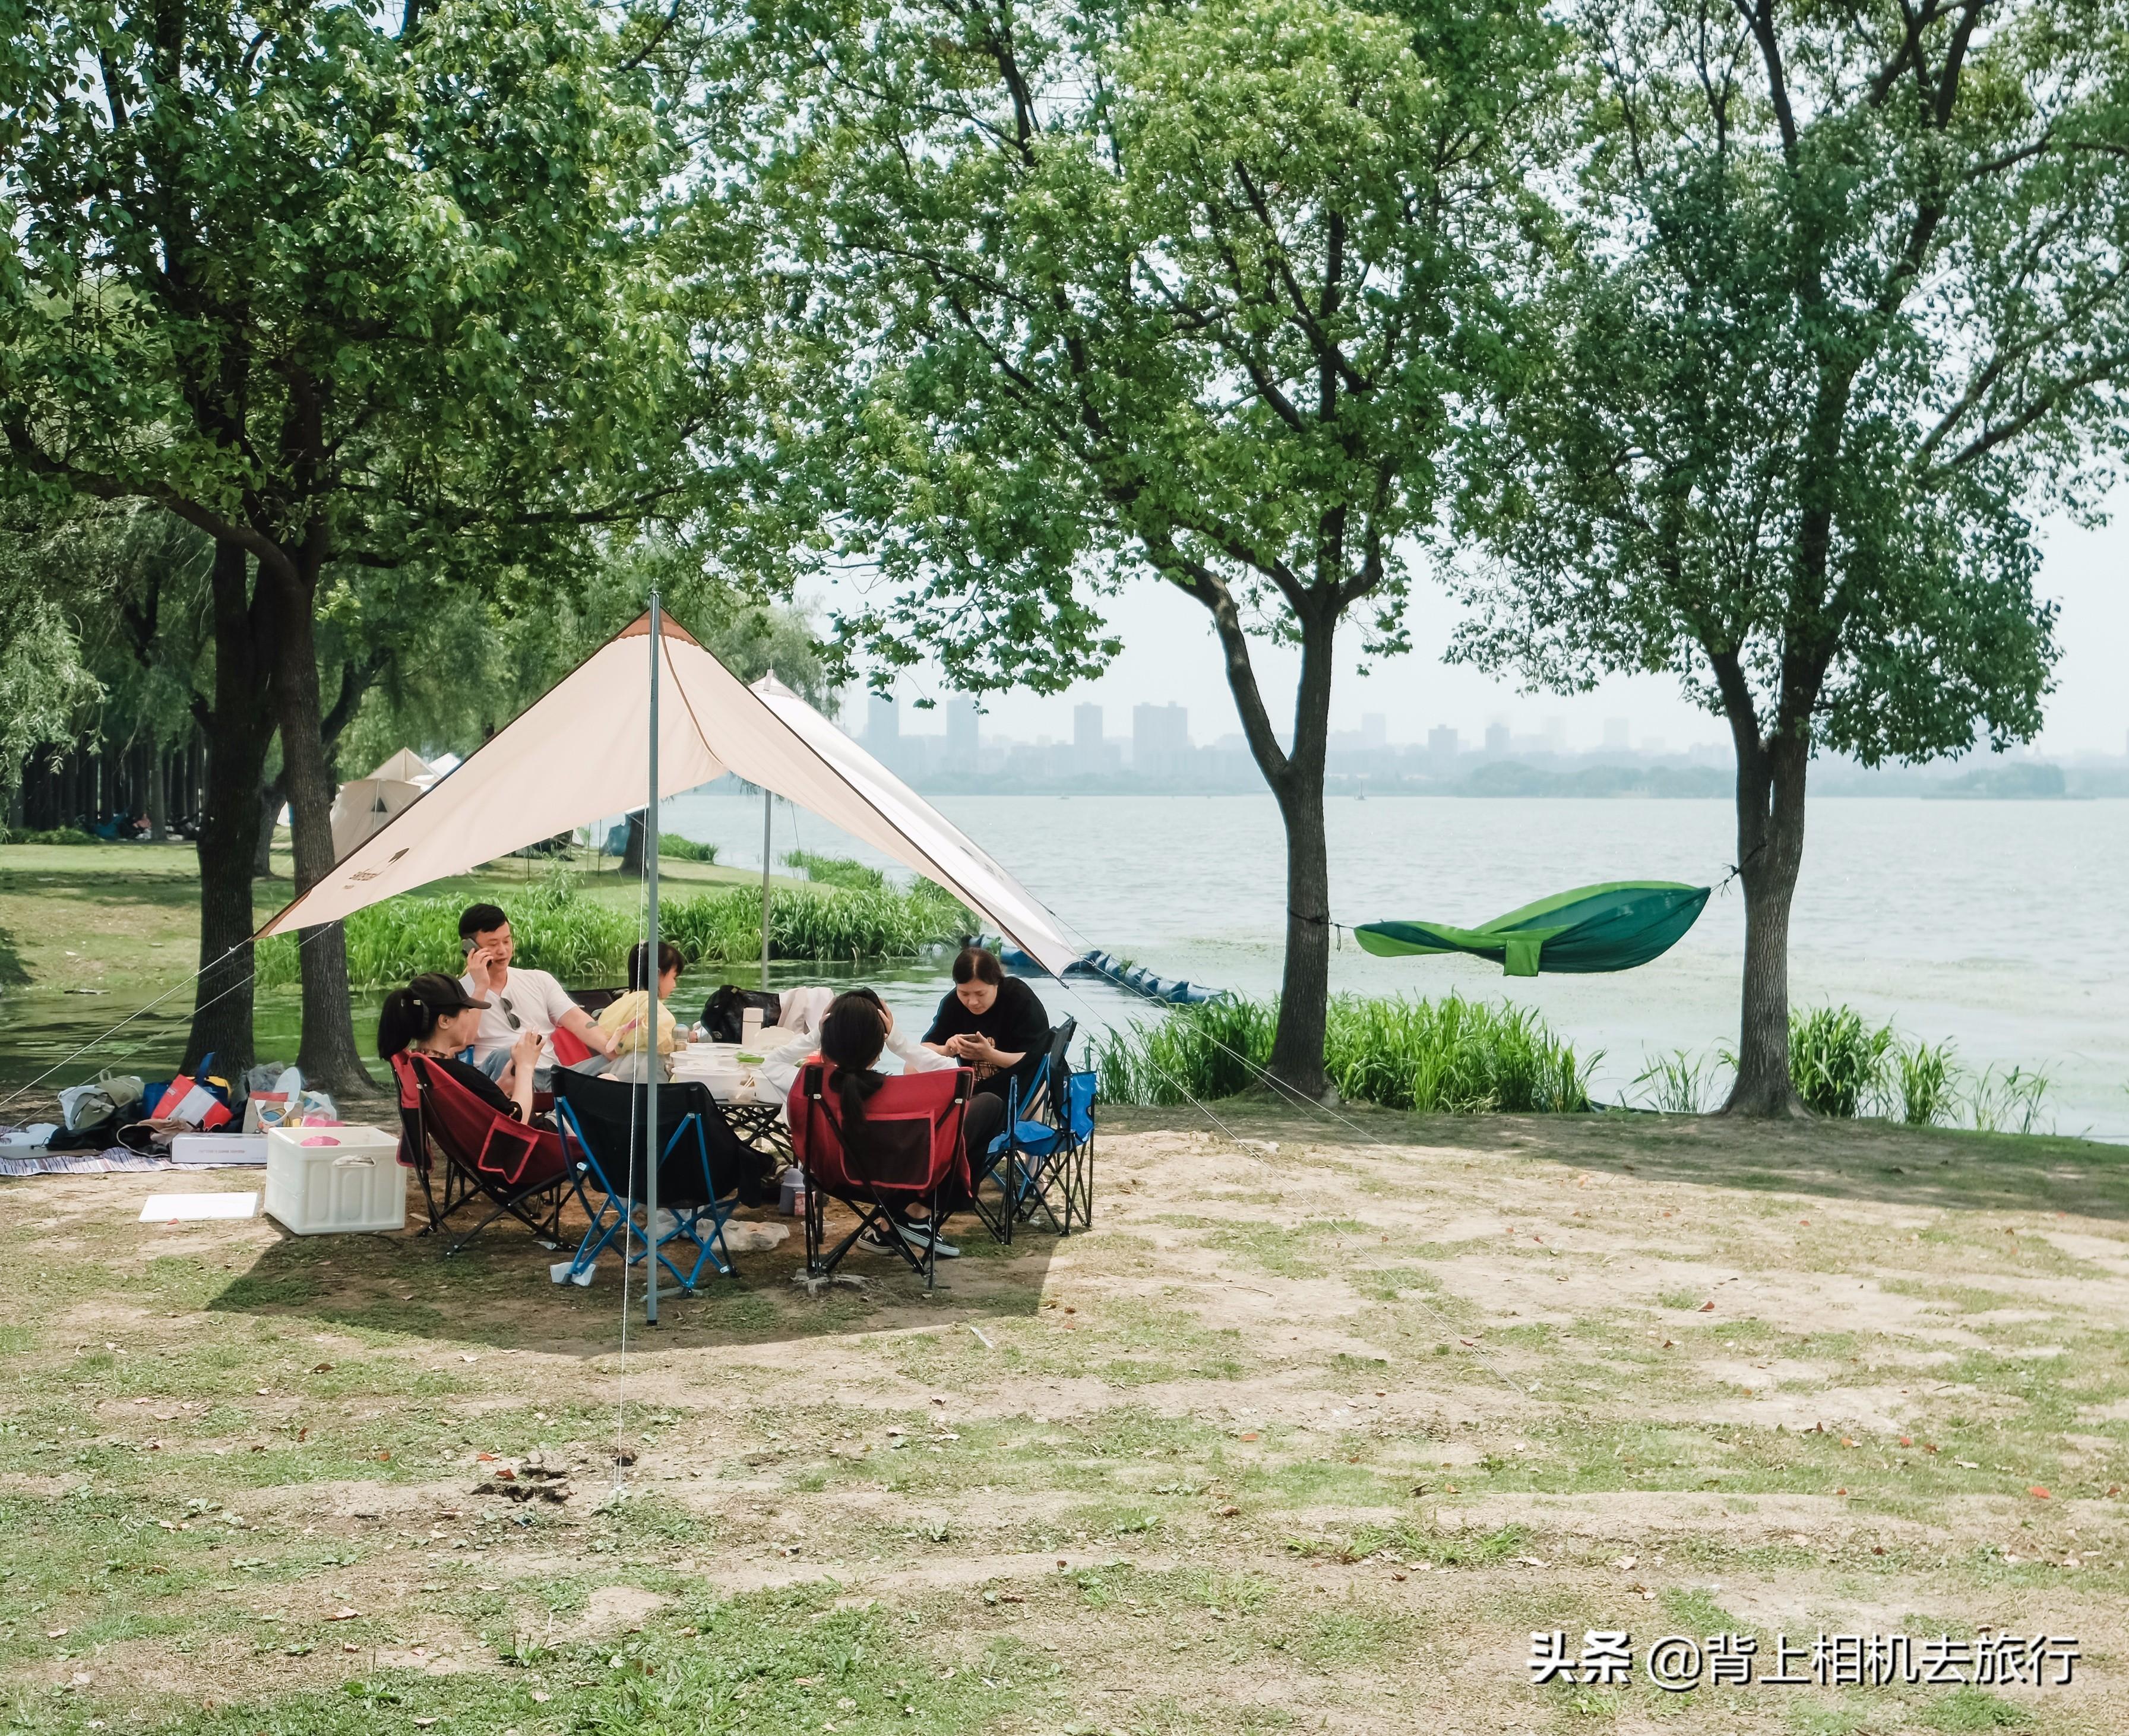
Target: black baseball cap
{"type": "Point", "coordinates": [441, 994]}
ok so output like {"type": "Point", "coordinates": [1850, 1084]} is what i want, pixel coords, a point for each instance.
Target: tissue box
{"type": "Point", "coordinates": [211, 1151]}
{"type": "Point", "coordinates": [329, 1181]}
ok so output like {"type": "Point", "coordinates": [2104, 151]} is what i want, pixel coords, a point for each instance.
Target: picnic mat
{"type": "Point", "coordinates": [113, 1160]}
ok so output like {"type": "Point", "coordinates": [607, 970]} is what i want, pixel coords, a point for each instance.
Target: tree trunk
{"type": "Point", "coordinates": [159, 792]}
{"type": "Point", "coordinates": [1297, 1052]}
{"type": "Point", "coordinates": [1770, 799]}
{"type": "Point", "coordinates": [238, 730]}
{"type": "Point", "coordinates": [328, 1056]}
{"type": "Point", "coordinates": [272, 796]}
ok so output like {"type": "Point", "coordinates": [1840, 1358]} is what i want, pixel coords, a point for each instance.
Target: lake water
{"type": "Point", "coordinates": [1997, 925]}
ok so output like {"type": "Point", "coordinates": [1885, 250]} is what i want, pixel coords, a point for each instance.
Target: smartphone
{"type": "Point", "coordinates": [465, 948]}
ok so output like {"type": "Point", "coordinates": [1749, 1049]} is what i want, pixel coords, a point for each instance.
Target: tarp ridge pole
{"type": "Point", "coordinates": [767, 814]}
{"type": "Point", "coordinates": [650, 989]}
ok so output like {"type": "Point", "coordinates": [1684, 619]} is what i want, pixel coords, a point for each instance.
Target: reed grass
{"type": "Point", "coordinates": [1451, 1054]}
{"type": "Point", "coordinates": [584, 940]}
{"type": "Point", "coordinates": [1836, 1060]}
{"type": "Point", "coordinates": [1843, 1067]}
{"type": "Point", "coordinates": [672, 844]}
{"type": "Point", "coordinates": [836, 870]}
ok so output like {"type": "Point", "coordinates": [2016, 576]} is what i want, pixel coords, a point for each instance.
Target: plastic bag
{"type": "Point", "coordinates": [91, 1106]}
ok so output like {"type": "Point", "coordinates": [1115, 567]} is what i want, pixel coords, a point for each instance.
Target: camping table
{"type": "Point", "coordinates": [755, 1121]}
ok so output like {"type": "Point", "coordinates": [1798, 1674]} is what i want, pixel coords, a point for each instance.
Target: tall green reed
{"type": "Point", "coordinates": [836, 870]}
{"type": "Point", "coordinates": [1451, 1054]}
{"type": "Point", "coordinates": [583, 939]}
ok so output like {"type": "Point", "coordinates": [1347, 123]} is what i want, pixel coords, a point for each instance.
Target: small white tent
{"type": "Point", "coordinates": [365, 806]}
{"type": "Point", "coordinates": [582, 751]}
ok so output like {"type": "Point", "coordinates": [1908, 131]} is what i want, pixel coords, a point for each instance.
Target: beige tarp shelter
{"type": "Point", "coordinates": [582, 751]}
{"type": "Point", "coordinates": [365, 806]}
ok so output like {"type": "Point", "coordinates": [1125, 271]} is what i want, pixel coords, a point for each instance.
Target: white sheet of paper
{"type": "Point", "coordinates": [172, 1208]}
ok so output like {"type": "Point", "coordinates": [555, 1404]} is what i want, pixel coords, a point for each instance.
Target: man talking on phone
{"type": "Point", "coordinates": [518, 1001]}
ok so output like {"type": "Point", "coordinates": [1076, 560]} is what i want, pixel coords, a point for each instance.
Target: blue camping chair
{"type": "Point", "coordinates": [601, 1121]}
{"type": "Point", "coordinates": [1042, 1161]}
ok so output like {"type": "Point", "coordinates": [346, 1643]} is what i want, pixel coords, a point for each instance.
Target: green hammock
{"type": "Point", "coordinates": [1612, 928]}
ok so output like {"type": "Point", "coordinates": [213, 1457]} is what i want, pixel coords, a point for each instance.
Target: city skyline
{"type": "Point", "coordinates": [1169, 656]}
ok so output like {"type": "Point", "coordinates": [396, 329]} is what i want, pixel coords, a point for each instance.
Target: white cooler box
{"type": "Point", "coordinates": [320, 1181]}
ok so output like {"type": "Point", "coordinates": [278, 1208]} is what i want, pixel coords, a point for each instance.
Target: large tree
{"type": "Point", "coordinates": [1848, 314]}
{"type": "Point", "coordinates": [1184, 293]}
{"type": "Point", "coordinates": [344, 292]}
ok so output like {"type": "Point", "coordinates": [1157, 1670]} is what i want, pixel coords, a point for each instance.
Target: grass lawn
{"type": "Point", "coordinates": [1312, 1433]}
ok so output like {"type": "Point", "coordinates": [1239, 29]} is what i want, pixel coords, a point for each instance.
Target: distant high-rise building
{"type": "Point", "coordinates": [961, 738]}
{"type": "Point", "coordinates": [1374, 729]}
{"type": "Point", "coordinates": [1555, 735]}
{"type": "Point", "coordinates": [1160, 739]}
{"type": "Point", "coordinates": [1497, 740]}
{"type": "Point", "coordinates": [1442, 741]}
{"type": "Point", "coordinates": [1087, 728]}
{"type": "Point", "coordinates": [883, 719]}
{"type": "Point", "coordinates": [1614, 734]}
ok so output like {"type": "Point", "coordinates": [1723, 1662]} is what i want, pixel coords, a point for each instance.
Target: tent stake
{"type": "Point", "coordinates": [651, 987]}
{"type": "Point", "coordinates": [767, 814]}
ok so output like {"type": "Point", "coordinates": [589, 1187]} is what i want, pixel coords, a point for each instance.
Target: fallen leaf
{"type": "Point", "coordinates": [540, 1695]}
{"type": "Point", "coordinates": [1905, 1441]}
{"type": "Point", "coordinates": [2038, 1493]}
{"type": "Point", "coordinates": [61, 1632]}
{"type": "Point", "coordinates": [1963, 1464]}
{"type": "Point", "coordinates": [1250, 1435]}
{"type": "Point", "coordinates": [423, 1723]}
{"type": "Point", "coordinates": [352, 1614]}
{"type": "Point", "coordinates": [1225, 1513]}
{"type": "Point", "coordinates": [1706, 1308]}
{"type": "Point", "coordinates": [325, 1368]}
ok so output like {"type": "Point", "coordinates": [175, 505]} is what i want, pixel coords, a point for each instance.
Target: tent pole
{"type": "Point", "coordinates": [767, 814]}
{"type": "Point", "coordinates": [650, 990]}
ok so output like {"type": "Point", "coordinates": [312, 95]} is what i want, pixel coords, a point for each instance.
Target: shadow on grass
{"type": "Point", "coordinates": [12, 975]}
{"type": "Point", "coordinates": [497, 1291]}
{"type": "Point", "coordinates": [1935, 1167]}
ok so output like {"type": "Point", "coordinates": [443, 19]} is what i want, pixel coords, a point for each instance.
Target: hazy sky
{"type": "Point", "coordinates": [1170, 655]}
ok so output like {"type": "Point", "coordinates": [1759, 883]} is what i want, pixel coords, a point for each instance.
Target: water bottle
{"type": "Point", "coordinates": [793, 1193]}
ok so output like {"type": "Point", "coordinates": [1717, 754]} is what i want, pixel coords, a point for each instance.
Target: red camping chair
{"type": "Point", "coordinates": [907, 1153]}
{"type": "Point", "coordinates": [517, 1170]}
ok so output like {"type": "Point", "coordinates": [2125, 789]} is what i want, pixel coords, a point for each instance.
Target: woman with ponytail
{"type": "Point", "coordinates": [858, 1029]}
{"type": "Point", "coordinates": [433, 1017]}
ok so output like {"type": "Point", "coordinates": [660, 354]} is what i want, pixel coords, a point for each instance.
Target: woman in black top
{"type": "Point", "coordinates": [435, 1017]}
{"type": "Point", "coordinates": [990, 1021]}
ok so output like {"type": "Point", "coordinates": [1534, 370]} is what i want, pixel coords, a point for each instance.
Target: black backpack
{"type": "Point", "coordinates": [724, 1013]}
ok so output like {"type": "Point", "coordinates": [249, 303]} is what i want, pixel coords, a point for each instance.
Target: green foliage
{"type": "Point", "coordinates": [1452, 1055]}
{"type": "Point", "coordinates": [584, 940]}
{"type": "Point", "coordinates": [50, 835]}
{"type": "Point", "coordinates": [1680, 1083]}
{"type": "Point", "coordinates": [672, 844]}
{"type": "Point", "coordinates": [2008, 1099]}
{"type": "Point", "coordinates": [1841, 307]}
{"type": "Point", "coordinates": [1926, 1074]}
{"type": "Point", "coordinates": [835, 871]}
{"type": "Point", "coordinates": [1836, 1060]}
{"type": "Point", "coordinates": [1187, 292]}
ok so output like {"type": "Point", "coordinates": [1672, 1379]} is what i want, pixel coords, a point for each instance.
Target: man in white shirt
{"type": "Point", "coordinates": [519, 1000]}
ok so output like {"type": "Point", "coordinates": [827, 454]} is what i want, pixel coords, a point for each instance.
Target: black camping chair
{"type": "Point", "coordinates": [704, 1170]}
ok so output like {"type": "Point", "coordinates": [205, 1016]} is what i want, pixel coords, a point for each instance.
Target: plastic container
{"type": "Point", "coordinates": [792, 1199]}
{"type": "Point", "coordinates": [328, 1181]}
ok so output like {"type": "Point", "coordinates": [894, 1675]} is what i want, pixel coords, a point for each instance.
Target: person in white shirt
{"type": "Point", "coordinates": [519, 1000]}
{"type": "Point", "coordinates": [780, 1070]}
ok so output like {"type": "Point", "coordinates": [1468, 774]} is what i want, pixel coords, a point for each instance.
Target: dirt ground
{"type": "Point", "coordinates": [1328, 1424]}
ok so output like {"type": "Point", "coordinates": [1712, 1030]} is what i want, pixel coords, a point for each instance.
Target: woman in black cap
{"type": "Point", "coordinates": [433, 1017]}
